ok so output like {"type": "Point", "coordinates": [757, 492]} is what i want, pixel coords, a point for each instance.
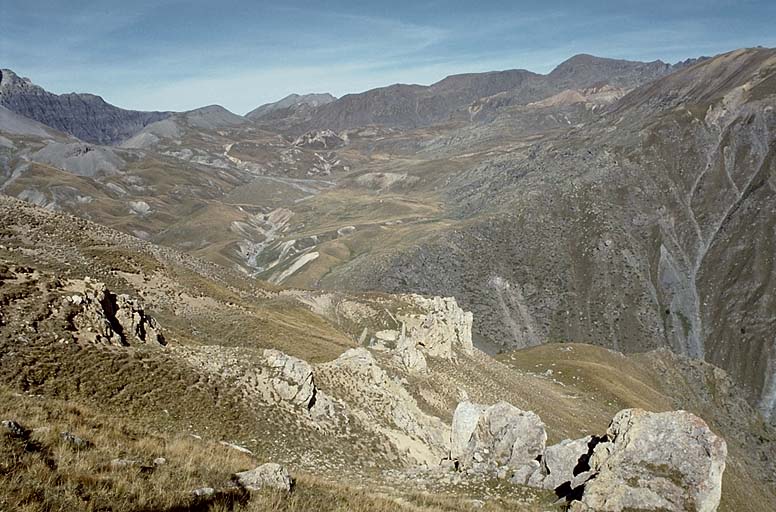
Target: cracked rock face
{"type": "Point", "coordinates": [383, 405]}
{"type": "Point", "coordinates": [410, 357]}
{"type": "Point", "coordinates": [290, 379]}
{"type": "Point", "coordinates": [562, 462]}
{"type": "Point", "coordinates": [498, 439]}
{"type": "Point", "coordinates": [655, 461]}
{"type": "Point", "coordinates": [442, 326]}
{"type": "Point", "coordinates": [104, 317]}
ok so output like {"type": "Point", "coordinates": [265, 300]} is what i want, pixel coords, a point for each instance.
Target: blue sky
{"type": "Point", "coordinates": [177, 55]}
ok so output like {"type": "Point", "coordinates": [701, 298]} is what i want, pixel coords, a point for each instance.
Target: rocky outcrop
{"type": "Point", "coordinates": [655, 461]}
{"type": "Point", "coordinates": [14, 429]}
{"type": "Point", "coordinates": [99, 316]}
{"type": "Point", "coordinates": [289, 379]}
{"type": "Point", "coordinates": [85, 116]}
{"type": "Point", "coordinates": [500, 439]}
{"type": "Point", "coordinates": [645, 461]}
{"type": "Point", "coordinates": [319, 139]}
{"type": "Point", "coordinates": [383, 405]}
{"type": "Point", "coordinates": [75, 442]}
{"type": "Point", "coordinates": [411, 358]}
{"type": "Point", "coordinates": [438, 326]}
{"type": "Point", "coordinates": [269, 475]}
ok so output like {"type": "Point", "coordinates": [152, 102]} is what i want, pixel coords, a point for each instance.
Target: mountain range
{"type": "Point", "coordinates": [620, 212]}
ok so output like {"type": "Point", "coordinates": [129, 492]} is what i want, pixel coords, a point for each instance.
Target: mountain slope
{"type": "Point", "coordinates": [85, 116]}
{"type": "Point", "coordinates": [651, 226]}
{"type": "Point", "coordinates": [336, 414]}
{"type": "Point", "coordinates": [410, 106]}
{"type": "Point", "coordinates": [290, 103]}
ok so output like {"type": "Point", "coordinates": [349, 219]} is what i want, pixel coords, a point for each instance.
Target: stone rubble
{"type": "Point", "coordinates": [16, 430]}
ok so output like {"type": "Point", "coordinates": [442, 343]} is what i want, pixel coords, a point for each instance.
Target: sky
{"type": "Point", "coordinates": [180, 55]}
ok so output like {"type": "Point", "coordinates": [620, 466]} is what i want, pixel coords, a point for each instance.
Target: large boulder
{"type": "Point", "coordinates": [655, 461]}
{"type": "Point", "coordinates": [267, 475]}
{"type": "Point", "coordinates": [290, 379]}
{"type": "Point", "coordinates": [505, 440]}
{"type": "Point", "coordinates": [465, 419]}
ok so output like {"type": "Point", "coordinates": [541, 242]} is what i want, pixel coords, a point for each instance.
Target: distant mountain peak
{"type": "Point", "coordinates": [585, 62]}
{"type": "Point", "coordinates": [292, 102]}
{"type": "Point", "coordinates": [213, 117]}
{"type": "Point", "coordinates": [10, 81]}
{"type": "Point", "coordinates": [85, 116]}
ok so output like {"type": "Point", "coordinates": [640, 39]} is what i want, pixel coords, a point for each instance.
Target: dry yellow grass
{"type": "Point", "coordinates": [43, 472]}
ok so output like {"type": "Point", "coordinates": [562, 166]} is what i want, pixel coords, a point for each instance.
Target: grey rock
{"type": "Point", "coordinates": [290, 379]}
{"type": "Point", "coordinates": [203, 492]}
{"type": "Point", "coordinates": [522, 475]}
{"type": "Point", "coordinates": [237, 447]}
{"type": "Point", "coordinates": [15, 429]}
{"type": "Point", "coordinates": [465, 419]}
{"type": "Point", "coordinates": [74, 441]}
{"type": "Point", "coordinates": [411, 357]}
{"type": "Point", "coordinates": [503, 436]}
{"type": "Point", "coordinates": [104, 317]}
{"type": "Point", "coordinates": [656, 461]}
{"type": "Point", "coordinates": [267, 475]}
{"type": "Point", "coordinates": [560, 461]}
{"type": "Point", "coordinates": [439, 328]}
{"type": "Point", "coordinates": [123, 463]}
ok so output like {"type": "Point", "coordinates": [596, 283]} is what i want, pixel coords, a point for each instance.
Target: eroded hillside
{"type": "Point", "coordinates": [327, 384]}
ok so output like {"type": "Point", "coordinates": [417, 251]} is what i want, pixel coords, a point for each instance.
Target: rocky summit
{"type": "Point", "coordinates": [501, 291]}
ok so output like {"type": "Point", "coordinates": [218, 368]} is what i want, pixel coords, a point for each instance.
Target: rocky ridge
{"type": "Point", "coordinates": [85, 116]}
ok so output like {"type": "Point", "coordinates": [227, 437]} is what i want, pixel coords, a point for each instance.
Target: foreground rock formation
{"type": "Point", "coordinates": [655, 461]}
{"type": "Point", "coordinates": [499, 439]}
{"type": "Point", "coordinates": [645, 461]}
